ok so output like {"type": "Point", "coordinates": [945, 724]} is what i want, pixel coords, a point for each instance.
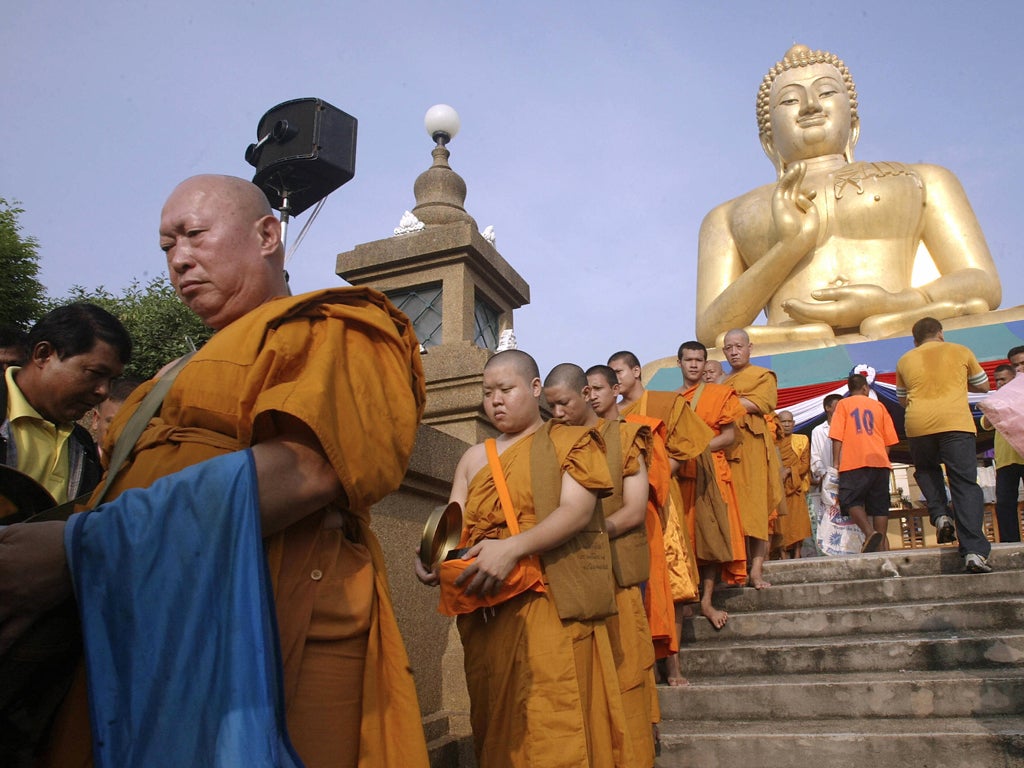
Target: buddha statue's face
{"type": "Point", "coordinates": [810, 114]}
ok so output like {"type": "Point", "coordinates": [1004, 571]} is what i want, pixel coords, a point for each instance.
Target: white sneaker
{"type": "Point", "coordinates": [976, 564]}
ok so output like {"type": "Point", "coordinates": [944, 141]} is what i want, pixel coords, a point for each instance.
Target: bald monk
{"type": "Point", "coordinates": [686, 438]}
{"type": "Point", "coordinates": [719, 408]}
{"type": "Point", "coordinates": [658, 603]}
{"type": "Point", "coordinates": [567, 393]}
{"type": "Point", "coordinates": [539, 689]}
{"type": "Point", "coordinates": [756, 469]}
{"type": "Point", "coordinates": [277, 376]}
{"type": "Point", "coordinates": [830, 246]}
{"type": "Point", "coordinates": [795, 451]}
{"type": "Point", "coordinates": [713, 372]}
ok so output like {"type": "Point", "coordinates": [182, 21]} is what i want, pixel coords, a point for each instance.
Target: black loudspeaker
{"type": "Point", "coordinates": [306, 150]}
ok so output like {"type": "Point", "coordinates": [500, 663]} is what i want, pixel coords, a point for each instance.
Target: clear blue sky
{"type": "Point", "coordinates": [595, 135]}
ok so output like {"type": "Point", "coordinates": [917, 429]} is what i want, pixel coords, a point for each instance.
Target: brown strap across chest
{"type": "Point", "coordinates": [579, 571]}
{"type": "Point", "coordinates": [631, 558]}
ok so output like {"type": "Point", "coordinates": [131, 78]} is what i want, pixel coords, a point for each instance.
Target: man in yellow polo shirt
{"type": "Point", "coordinates": [75, 351]}
{"type": "Point", "coordinates": [932, 382]}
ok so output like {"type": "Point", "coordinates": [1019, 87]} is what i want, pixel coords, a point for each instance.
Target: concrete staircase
{"type": "Point", "coordinates": [843, 663]}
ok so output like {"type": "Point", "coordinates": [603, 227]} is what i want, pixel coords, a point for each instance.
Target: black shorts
{"type": "Point", "coordinates": [866, 487]}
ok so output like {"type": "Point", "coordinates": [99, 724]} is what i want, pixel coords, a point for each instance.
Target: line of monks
{"type": "Point", "coordinates": [586, 537]}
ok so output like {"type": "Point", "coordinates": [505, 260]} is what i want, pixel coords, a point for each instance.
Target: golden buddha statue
{"type": "Point", "coordinates": [830, 247]}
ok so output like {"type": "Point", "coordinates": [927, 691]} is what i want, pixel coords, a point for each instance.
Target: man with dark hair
{"type": "Point", "coordinates": [932, 382]}
{"type": "Point", "coordinates": [719, 408]}
{"type": "Point", "coordinates": [1009, 464]}
{"type": "Point", "coordinates": [75, 351]}
{"type": "Point", "coordinates": [862, 431]}
{"type": "Point", "coordinates": [1016, 358]}
{"type": "Point", "coordinates": [13, 346]}
{"type": "Point", "coordinates": [821, 460]}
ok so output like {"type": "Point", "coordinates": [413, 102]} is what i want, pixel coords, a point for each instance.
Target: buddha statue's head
{"type": "Point", "coordinates": [807, 108]}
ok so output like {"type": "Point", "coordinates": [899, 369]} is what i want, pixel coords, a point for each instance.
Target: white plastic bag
{"type": "Point", "coordinates": [837, 534]}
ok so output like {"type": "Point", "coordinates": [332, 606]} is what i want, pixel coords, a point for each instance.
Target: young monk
{"type": "Point", "coordinates": [538, 687]}
{"type": "Point", "coordinates": [719, 408]}
{"type": "Point", "coordinates": [627, 447]}
{"type": "Point", "coordinates": [686, 437]}
{"type": "Point", "coordinates": [604, 397]}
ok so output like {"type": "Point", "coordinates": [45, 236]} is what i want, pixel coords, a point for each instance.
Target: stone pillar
{"type": "Point", "coordinates": [454, 285]}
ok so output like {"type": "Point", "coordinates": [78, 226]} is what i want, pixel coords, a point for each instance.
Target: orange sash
{"type": "Point", "coordinates": [527, 574]}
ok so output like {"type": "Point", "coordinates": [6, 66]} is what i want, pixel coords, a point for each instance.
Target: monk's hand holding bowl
{"type": "Point", "coordinates": [495, 559]}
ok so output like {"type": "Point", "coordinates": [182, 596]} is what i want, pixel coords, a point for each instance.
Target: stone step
{"type": "Point", "coordinates": [869, 591]}
{"type": "Point", "coordinates": [857, 653]}
{"type": "Point", "coordinates": [1002, 612]}
{"type": "Point", "coordinates": [946, 694]}
{"type": "Point", "coordinates": [983, 742]}
{"type": "Point", "coordinates": [932, 561]}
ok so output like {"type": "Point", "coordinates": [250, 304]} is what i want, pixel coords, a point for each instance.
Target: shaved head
{"type": "Point", "coordinates": [523, 364]}
{"type": "Point", "coordinates": [223, 247]}
{"type": "Point", "coordinates": [567, 375]}
{"type": "Point", "coordinates": [737, 334]}
{"type": "Point", "coordinates": [628, 358]}
{"type": "Point", "coordinates": [603, 370]}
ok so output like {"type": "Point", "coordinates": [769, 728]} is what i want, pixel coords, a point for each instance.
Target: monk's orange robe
{"type": "Point", "coordinates": [658, 605]}
{"type": "Point", "coordinates": [543, 692]}
{"type": "Point", "coordinates": [630, 635]}
{"type": "Point", "coordinates": [717, 405]}
{"type": "Point", "coordinates": [686, 437]}
{"type": "Point", "coordinates": [345, 363]}
{"type": "Point", "coordinates": [795, 525]}
{"type": "Point", "coordinates": [755, 462]}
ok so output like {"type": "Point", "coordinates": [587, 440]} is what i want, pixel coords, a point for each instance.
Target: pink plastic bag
{"type": "Point", "coordinates": [1004, 409]}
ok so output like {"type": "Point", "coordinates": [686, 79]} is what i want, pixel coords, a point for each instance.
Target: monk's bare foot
{"type": "Point", "coordinates": [677, 682]}
{"type": "Point", "coordinates": [757, 581]}
{"type": "Point", "coordinates": [673, 674]}
{"type": "Point", "coordinates": [715, 616]}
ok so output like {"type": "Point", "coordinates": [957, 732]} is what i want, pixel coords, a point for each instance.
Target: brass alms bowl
{"type": "Point", "coordinates": [441, 534]}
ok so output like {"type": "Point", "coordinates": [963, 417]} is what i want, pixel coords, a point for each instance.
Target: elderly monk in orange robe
{"type": "Point", "coordinates": [686, 438]}
{"type": "Point", "coordinates": [567, 393]}
{"type": "Point", "coordinates": [756, 470]}
{"type": "Point", "coordinates": [719, 408]}
{"type": "Point", "coordinates": [291, 377]}
{"type": "Point", "coordinates": [795, 451]}
{"type": "Point", "coordinates": [543, 690]}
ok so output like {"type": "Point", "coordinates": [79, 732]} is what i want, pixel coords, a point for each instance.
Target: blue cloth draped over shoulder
{"type": "Point", "coordinates": [178, 623]}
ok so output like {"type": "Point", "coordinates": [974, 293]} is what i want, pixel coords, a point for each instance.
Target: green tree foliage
{"type": "Point", "coordinates": [22, 296]}
{"type": "Point", "coordinates": [162, 328]}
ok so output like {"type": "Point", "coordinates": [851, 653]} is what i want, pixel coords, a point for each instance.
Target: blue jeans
{"type": "Point", "coordinates": [1007, 485]}
{"type": "Point", "coordinates": [958, 451]}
